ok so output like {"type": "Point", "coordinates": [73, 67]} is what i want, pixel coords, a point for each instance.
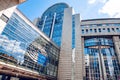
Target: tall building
{"type": "Point", "coordinates": [25, 52]}
{"type": "Point", "coordinates": [58, 23]}
{"type": "Point", "coordinates": [72, 49]}
{"type": "Point", "coordinates": [95, 44]}
{"type": "Point", "coordinates": [51, 22]}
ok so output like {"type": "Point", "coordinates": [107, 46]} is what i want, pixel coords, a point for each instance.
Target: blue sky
{"type": "Point", "coordinates": [88, 9]}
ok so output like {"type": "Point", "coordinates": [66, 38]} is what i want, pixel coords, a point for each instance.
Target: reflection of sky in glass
{"type": "Point", "coordinates": [42, 59]}
{"type": "Point", "coordinates": [16, 37]}
{"type": "Point", "coordinates": [12, 48]}
{"type": "Point", "coordinates": [20, 44]}
{"type": "Point", "coordinates": [104, 46]}
{"type": "Point", "coordinates": [52, 19]}
{"type": "Point", "coordinates": [109, 59]}
{"type": "Point", "coordinates": [17, 29]}
{"type": "Point", "coordinates": [96, 41]}
{"type": "Point", "coordinates": [73, 31]}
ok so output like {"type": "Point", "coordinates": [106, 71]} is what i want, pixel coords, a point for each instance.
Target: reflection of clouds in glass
{"type": "Point", "coordinates": [13, 48]}
{"type": "Point", "coordinates": [110, 64]}
{"type": "Point", "coordinates": [111, 69]}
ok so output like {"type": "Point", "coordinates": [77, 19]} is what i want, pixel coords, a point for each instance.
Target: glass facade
{"type": "Point", "coordinates": [100, 59]}
{"type": "Point", "coordinates": [73, 31]}
{"type": "Point", "coordinates": [21, 45]}
{"type": "Point", "coordinates": [51, 22]}
{"type": "Point", "coordinates": [24, 47]}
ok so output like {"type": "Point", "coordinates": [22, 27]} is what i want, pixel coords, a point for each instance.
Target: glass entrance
{"type": "Point", "coordinates": [100, 59]}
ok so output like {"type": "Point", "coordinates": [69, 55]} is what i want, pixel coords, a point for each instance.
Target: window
{"type": "Point", "coordinates": [82, 31]}
{"type": "Point", "coordinates": [95, 30]}
{"type": "Point", "coordinates": [99, 30]}
{"type": "Point", "coordinates": [86, 30]}
{"type": "Point", "coordinates": [108, 29]}
{"type": "Point", "coordinates": [91, 30]}
{"type": "Point", "coordinates": [113, 29]}
{"type": "Point", "coordinates": [103, 28]}
{"type": "Point", "coordinates": [117, 29]}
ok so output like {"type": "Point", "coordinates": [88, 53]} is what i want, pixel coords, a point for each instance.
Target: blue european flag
{"type": "Point", "coordinates": [42, 59]}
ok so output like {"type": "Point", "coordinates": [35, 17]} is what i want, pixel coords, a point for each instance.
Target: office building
{"type": "Point", "coordinates": [70, 49]}
{"type": "Point", "coordinates": [25, 52]}
{"type": "Point", "coordinates": [101, 38]}
{"type": "Point", "coordinates": [51, 22]}
{"type": "Point", "coordinates": [94, 43]}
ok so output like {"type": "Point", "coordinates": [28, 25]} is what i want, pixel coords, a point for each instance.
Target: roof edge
{"type": "Point", "coordinates": [97, 19]}
{"type": "Point", "coordinates": [54, 5]}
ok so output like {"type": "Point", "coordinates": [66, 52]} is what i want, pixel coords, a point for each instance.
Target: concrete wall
{"type": "Point", "coordinates": [65, 59]}
{"type": "Point", "coordinates": [105, 27]}
{"type": "Point", "coordinates": [79, 47]}
{"type": "Point", "coordinates": [4, 4]}
{"type": "Point", "coordinates": [102, 33]}
{"type": "Point", "coordinates": [117, 46]}
{"type": "Point", "coordinates": [100, 21]}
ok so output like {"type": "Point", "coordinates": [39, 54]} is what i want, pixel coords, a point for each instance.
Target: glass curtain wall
{"type": "Point", "coordinates": [51, 22]}
{"type": "Point", "coordinates": [21, 45]}
{"type": "Point", "coordinates": [100, 59]}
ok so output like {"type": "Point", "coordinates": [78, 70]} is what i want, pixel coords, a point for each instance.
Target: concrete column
{"type": "Point", "coordinates": [99, 60]}
{"type": "Point", "coordinates": [65, 59]}
{"type": "Point", "coordinates": [53, 24]}
{"type": "Point", "coordinates": [103, 67]}
{"type": "Point", "coordinates": [116, 41]}
{"type": "Point", "coordinates": [44, 23]}
{"type": "Point", "coordinates": [83, 57]}
{"type": "Point", "coordinates": [79, 60]}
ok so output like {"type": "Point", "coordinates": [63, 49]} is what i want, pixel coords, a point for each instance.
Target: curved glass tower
{"type": "Point", "coordinates": [52, 20]}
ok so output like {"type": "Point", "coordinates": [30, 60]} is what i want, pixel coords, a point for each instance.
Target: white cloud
{"type": "Point", "coordinates": [103, 1]}
{"type": "Point", "coordinates": [13, 47]}
{"type": "Point", "coordinates": [112, 8]}
{"type": "Point", "coordinates": [96, 1]}
{"type": "Point", "coordinates": [91, 1]}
